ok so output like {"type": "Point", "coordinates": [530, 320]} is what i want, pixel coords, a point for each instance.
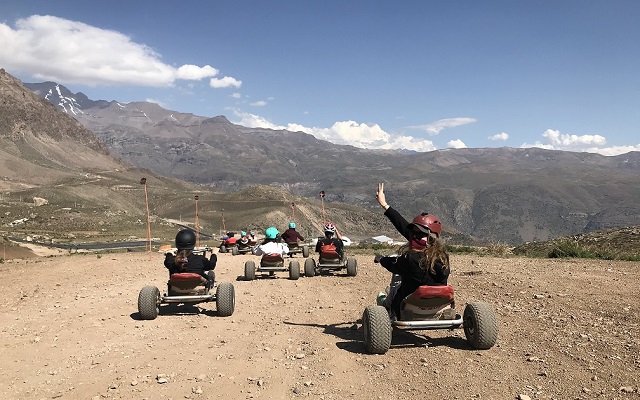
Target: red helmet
{"type": "Point", "coordinates": [329, 227]}
{"type": "Point", "coordinates": [427, 223]}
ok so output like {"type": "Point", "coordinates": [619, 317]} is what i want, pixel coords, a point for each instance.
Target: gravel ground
{"type": "Point", "coordinates": [569, 329]}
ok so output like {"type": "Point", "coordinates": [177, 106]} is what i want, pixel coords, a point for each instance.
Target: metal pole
{"type": "Point", "coordinates": [224, 228]}
{"type": "Point", "coordinates": [143, 182]}
{"type": "Point", "coordinates": [197, 224]}
{"type": "Point", "coordinates": [293, 212]}
{"type": "Point", "coordinates": [324, 221]}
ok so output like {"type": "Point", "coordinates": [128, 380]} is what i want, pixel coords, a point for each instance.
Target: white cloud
{"type": "Point", "coordinates": [554, 140]}
{"type": "Point", "coordinates": [52, 48]}
{"type": "Point", "coordinates": [456, 144]}
{"type": "Point", "coordinates": [225, 82]}
{"type": "Point", "coordinates": [499, 136]}
{"type": "Point", "coordinates": [260, 103]}
{"type": "Point", "coordinates": [435, 128]}
{"type": "Point", "coordinates": [235, 95]}
{"type": "Point", "coordinates": [193, 72]}
{"type": "Point", "coordinates": [344, 132]}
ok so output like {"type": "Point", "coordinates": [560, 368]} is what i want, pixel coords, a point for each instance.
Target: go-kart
{"type": "Point", "coordinates": [430, 307]}
{"type": "Point", "coordinates": [229, 245]}
{"type": "Point", "coordinates": [330, 260]}
{"type": "Point", "coordinates": [270, 264]}
{"type": "Point", "coordinates": [242, 246]}
{"type": "Point", "coordinates": [187, 288]}
{"type": "Point", "coordinates": [296, 248]}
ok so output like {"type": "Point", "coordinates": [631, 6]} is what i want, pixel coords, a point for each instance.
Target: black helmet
{"type": "Point", "coordinates": [186, 239]}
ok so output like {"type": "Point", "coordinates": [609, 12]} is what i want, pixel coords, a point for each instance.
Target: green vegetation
{"type": "Point", "coordinates": [570, 248]}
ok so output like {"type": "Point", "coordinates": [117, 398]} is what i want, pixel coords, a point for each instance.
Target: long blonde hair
{"type": "Point", "coordinates": [434, 251]}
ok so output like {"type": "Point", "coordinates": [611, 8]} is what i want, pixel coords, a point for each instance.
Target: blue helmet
{"type": "Point", "coordinates": [243, 233]}
{"type": "Point", "coordinates": [271, 233]}
{"type": "Point", "coordinates": [292, 225]}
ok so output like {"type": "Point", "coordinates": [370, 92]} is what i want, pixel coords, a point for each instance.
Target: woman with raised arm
{"type": "Point", "coordinates": [421, 261]}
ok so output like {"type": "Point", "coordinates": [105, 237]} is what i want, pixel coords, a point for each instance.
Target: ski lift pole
{"type": "Point", "coordinates": [324, 221]}
{"type": "Point", "coordinates": [196, 197]}
{"type": "Point", "coordinates": [143, 182]}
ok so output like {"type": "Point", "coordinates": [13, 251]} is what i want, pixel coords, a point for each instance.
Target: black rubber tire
{"type": "Point", "coordinates": [149, 302]}
{"type": "Point", "coordinates": [309, 267]}
{"type": "Point", "coordinates": [376, 329]}
{"type": "Point", "coordinates": [225, 299]}
{"type": "Point", "coordinates": [480, 325]}
{"type": "Point", "coordinates": [234, 251]}
{"type": "Point", "coordinates": [294, 270]}
{"type": "Point", "coordinates": [223, 249]}
{"type": "Point", "coordinates": [352, 266]}
{"type": "Point", "coordinates": [249, 270]}
{"type": "Point", "coordinates": [305, 251]}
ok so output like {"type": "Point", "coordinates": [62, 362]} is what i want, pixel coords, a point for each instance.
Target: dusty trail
{"type": "Point", "coordinates": [69, 330]}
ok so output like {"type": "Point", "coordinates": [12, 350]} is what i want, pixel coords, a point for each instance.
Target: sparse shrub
{"type": "Point", "coordinates": [499, 249]}
{"type": "Point", "coordinates": [1, 260]}
{"type": "Point", "coordinates": [98, 256]}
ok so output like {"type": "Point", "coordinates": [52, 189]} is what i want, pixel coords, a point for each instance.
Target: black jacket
{"type": "Point", "coordinates": [196, 264]}
{"type": "Point", "coordinates": [408, 266]}
{"type": "Point", "coordinates": [336, 242]}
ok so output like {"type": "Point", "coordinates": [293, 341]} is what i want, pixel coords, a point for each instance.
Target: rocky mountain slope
{"type": "Point", "coordinates": [59, 183]}
{"type": "Point", "coordinates": [499, 195]}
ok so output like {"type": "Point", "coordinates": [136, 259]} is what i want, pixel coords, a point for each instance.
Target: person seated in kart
{"type": "Point", "coordinates": [244, 240]}
{"type": "Point", "coordinates": [271, 244]}
{"type": "Point", "coordinates": [228, 239]}
{"type": "Point", "coordinates": [332, 239]}
{"type": "Point", "coordinates": [422, 261]}
{"type": "Point", "coordinates": [291, 235]}
{"type": "Point", "coordinates": [186, 260]}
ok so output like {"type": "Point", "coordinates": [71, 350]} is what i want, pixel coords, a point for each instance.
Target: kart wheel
{"type": "Point", "coordinates": [249, 270]}
{"type": "Point", "coordinates": [294, 270]}
{"type": "Point", "coordinates": [149, 302]}
{"type": "Point", "coordinates": [223, 249]}
{"type": "Point", "coordinates": [234, 251]}
{"type": "Point", "coordinates": [376, 329]}
{"type": "Point", "coordinates": [352, 266]}
{"type": "Point", "coordinates": [305, 251]}
{"type": "Point", "coordinates": [480, 325]}
{"type": "Point", "coordinates": [309, 267]}
{"type": "Point", "coordinates": [225, 299]}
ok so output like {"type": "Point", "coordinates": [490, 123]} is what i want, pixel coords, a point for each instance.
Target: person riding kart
{"type": "Point", "coordinates": [422, 261]}
{"type": "Point", "coordinates": [186, 260]}
{"type": "Point", "coordinates": [271, 244]}
{"type": "Point", "coordinates": [330, 241]}
{"type": "Point", "coordinates": [291, 235]}
{"type": "Point", "coordinates": [245, 240]}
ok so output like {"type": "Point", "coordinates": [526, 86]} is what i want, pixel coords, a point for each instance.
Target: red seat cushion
{"type": "Point", "coordinates": [185, 277]}
{"type": "Point", "coordinates": [428, 292]}
{"type": "Point", "coordinates": [272, 258]}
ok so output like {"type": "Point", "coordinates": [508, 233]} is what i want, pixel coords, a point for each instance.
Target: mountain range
{"type": "Point", "coordinates": [509, 195]}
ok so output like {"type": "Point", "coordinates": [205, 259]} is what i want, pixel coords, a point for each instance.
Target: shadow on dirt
{"type": "Point", "coordinates": [347, 331]}
{"type": "Point", "coordinates": [178, 310]}
{"type": "Point", "coordinates": [405, 339]}
{"type": "Point", "coordinates": [351, 333]}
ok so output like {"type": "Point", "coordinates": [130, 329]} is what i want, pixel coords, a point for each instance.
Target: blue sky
{"type": "Point", "coordinates": [421, 75]}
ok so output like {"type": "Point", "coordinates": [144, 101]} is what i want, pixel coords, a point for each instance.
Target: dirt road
{"type": "Point", "coordinates": [569, 329]}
